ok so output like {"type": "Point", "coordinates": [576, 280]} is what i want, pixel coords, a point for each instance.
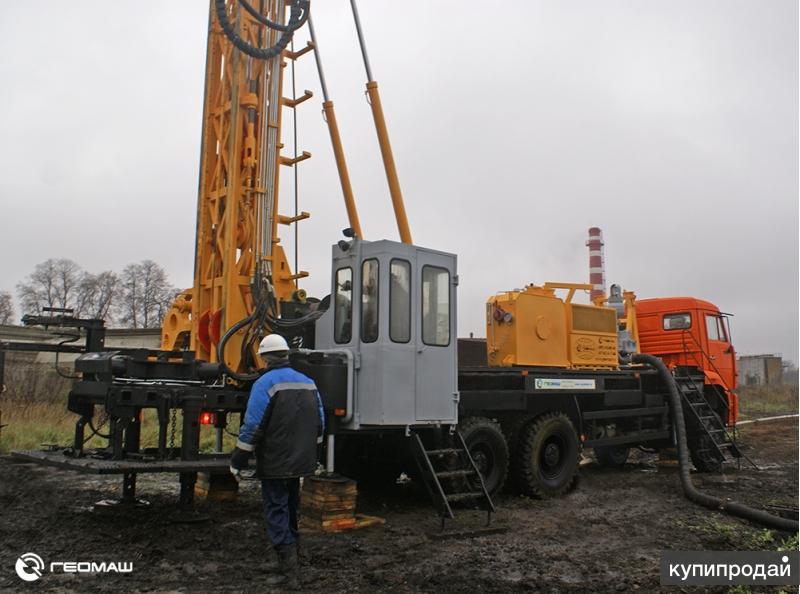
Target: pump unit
{"type": "Point", "coordinates": [533, 326]}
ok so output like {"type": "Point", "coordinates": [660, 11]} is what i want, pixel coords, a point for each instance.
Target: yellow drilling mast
{"type": "Point", "coordinates": [237, 205]}
{"type": "Point", "coordinates": [242, 279]}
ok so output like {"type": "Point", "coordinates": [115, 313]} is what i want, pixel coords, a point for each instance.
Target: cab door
{"type": "Point", "coordinates": [720, 351]}
{"type": "Point", "coordinates": [436, 389]}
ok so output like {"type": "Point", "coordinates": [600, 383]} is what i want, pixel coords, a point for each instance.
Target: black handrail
{"type": "Point", "coordinates": [686, 350]}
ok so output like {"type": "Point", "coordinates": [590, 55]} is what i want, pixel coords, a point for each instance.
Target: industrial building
{"type": "Point", "coordinates": [759, 370]}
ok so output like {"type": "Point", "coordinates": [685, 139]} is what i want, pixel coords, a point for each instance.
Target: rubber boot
{"type": "Point", "coordinates": [287, 569]}
{"type": "Point", "coordinates": [291, 566]}
{"type": "Point", "coordinates": [272, 564]}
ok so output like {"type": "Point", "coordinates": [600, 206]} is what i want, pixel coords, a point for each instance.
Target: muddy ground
{"type": "Point", "coordinates": [605, 536]}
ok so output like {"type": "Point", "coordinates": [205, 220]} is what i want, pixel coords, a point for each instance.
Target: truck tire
{"type": "Point", "coordinates": [702, 458]}
{"type": "Point", "coordinates": [545, 461]}
{"type": "Point", "coordinates": [611, 456]}
{"type": "Point", "coordinates": [512, 428]}
{"type": "Point", "coordinates": [488, 448]}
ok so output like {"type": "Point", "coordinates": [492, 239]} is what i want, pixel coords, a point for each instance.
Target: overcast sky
{"type": "Point", "coordinates": [673, 126]}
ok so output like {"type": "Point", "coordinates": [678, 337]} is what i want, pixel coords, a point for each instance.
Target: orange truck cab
{"type": "Point", "coordinates": [692, 336]}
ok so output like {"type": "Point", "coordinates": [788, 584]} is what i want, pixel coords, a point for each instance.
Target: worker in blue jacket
{"type": "Point", "coordinates": [282, 424]}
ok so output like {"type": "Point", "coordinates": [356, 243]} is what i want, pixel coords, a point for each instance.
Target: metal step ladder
{"type": "Point", "coordinates": [705, 421]}
{"type": "Point", "coordinates": [451, 477]}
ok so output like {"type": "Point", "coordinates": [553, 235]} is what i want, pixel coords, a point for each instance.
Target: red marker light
{"type": "Point", "coordinates": [207, 418]}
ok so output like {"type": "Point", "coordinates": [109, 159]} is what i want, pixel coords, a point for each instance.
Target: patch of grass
{"type": "Point", "coordinates": [763, 540]}
{"type": "Point", "coordinates": [717, 525]}
{"type": "Point", "coordinates": [28, 425]}
{"type": "Point", "coordinates": [31, 424]}
{"type": "Point", "coordinates": [712, 525]}
{"type": "Point", "coordinates": [768, 399]}
{"type": "Point", "coordinates": [767, 537]}
{"type": "Point", "coordinates": [789, 544]}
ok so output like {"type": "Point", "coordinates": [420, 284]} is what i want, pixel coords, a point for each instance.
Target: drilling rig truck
{"type": "Point", "coordinates": [399, 388]}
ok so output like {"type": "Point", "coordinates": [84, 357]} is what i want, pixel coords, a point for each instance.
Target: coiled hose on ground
{"type": "Point", "coordinates": [691, 492]}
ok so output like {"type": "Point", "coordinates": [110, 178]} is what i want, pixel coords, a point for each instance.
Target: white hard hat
{"type": "Point", "coordinates": [272, 343]}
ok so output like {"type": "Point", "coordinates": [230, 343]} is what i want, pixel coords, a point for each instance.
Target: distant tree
{"type": "Point", "coordinates": [145, 295]}
{"type": "Point", "coordinates": [53, 283]}
{"type": "Point", "coordinates": [96, 294]}
{"type": "Point", "coordinates": [62, 283]}
{"type": "Point", "coordinates": [6, 308]}
{"type": "Point", "coordinates": [139, 297]}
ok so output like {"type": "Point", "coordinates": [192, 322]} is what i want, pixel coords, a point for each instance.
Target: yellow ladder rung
{"type": "Point", "coordinates": [288, 161]}
{"type": "Point", "coordinates": [295, 102]}
{"type": "Point", "coordinates": [294, 55]}
{"type": "Point", "coordinates": [284, 220]}
{"type": "Point", "coordinates": [299, 275]}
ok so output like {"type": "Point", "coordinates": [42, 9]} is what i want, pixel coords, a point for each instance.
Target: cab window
{"type": "Point", "coordinates": [435, 306]}
{"type": "Point", "coordinates": [369, 300]}
{"type": "Point", "coordinates": [677, 321]}
{"type": "Point", "coordinates": [400, 301]}
{"type": "Point", "coordinates": [343, 306]}
{"type": "Point", "coordinates": [715, 327]}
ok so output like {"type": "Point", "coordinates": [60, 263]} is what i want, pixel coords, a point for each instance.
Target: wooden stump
{"type": "Point", "coordinates": [218, 486]}
{"type": "Point", "coordinates": [328, 503]}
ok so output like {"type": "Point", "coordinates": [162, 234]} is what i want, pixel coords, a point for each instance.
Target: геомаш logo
{"type": "Point", "coordinates": [30, 567]}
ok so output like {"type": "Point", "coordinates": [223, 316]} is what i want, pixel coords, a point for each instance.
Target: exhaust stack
{"type": "Point", "coordinates": [597, 270]}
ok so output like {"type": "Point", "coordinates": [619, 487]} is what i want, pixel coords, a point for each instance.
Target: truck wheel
{"type": "Point", "coordinates": [611, 456]}
{"type": "Point", "coordinates": [488, 448]}
{"type": "Point", "coordinates": [702, 458]}
{"type": "Point", "coordinates": [546, 458]}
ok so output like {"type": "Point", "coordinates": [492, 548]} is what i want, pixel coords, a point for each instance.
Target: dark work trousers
{"type": "Point", "coordinates": [281, 497]}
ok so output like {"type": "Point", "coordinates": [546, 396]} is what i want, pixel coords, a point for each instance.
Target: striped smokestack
{"type": "Point", "coordinates": [597, 270]}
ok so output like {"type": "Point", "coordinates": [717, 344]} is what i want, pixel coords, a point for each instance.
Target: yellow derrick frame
{"type": "Point", "coordinates": [237, 209]}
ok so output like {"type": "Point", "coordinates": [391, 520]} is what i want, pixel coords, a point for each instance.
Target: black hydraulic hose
{"type": "Point", "coordinates": [71, 338]}
{"type": "Point", "coordinates": [290, 323]}
{"type": "Point", "coordinates": [691, 492]}
{"type": "Point", "coordinates": [259, 319]}
{"type": "Point", "coordinates": [271, 24]}
{"type": "Point", "coordinates": [96, 431]}
{"type": "Point", "coordinates": [221, 350]}
{"type": "Point", "coordinates": [297, 16]}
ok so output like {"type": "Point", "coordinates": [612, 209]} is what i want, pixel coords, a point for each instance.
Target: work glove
{"type": "Point", "coordinates": [239, 460]}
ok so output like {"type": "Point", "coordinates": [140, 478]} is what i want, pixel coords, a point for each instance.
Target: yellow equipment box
{"type": "Point", "coordinates": [535, 327]}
